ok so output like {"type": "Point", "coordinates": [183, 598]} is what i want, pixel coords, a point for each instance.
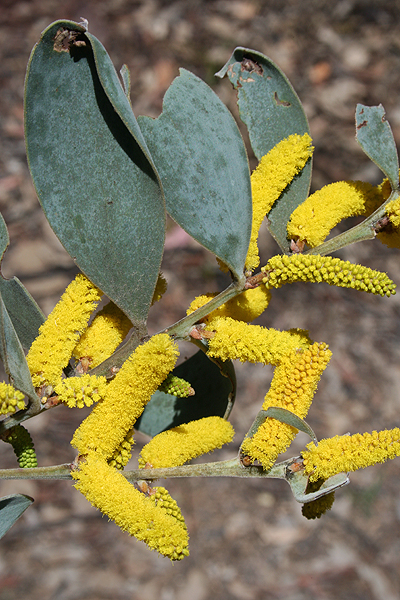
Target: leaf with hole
{"type": "Point", "coordinates": [92, 171]}
{"type": "Point", "coordinates": [271, 110]}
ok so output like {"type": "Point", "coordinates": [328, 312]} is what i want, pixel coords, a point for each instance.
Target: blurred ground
{"type": "Point", "coordinates": [248, 539]}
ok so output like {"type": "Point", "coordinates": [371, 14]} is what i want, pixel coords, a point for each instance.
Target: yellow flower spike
{"type": "Point", "coordinates": [107, 330]}
{"type": "Point", "coordinates": [312, 220]}
{"type": "Point", "coordinates": [283, 269]}
{"type": "Point", "coordinates": [246, 307]}
{"type": "Point", "coordinates": [162, 498]}
{"type": "Point", "coordinates": [52, 349]}
{"type": "Point", "coordinates": [273, 174]}
{"type": "Point", "coordinates": [177, 446]}
{"type": "Point", "coordinates": [293, 387]}
{"type": "Point", "coordinates": [236, 340]}
{"type": "Point", "coordinates": [108, 490]}
{"type": "Point", "coordinates": [122, 455]}
{"type": "Point", "coordinates": [350, 452]}
{"type": "Point", "coordinates": [81, 391]}
{"type": "Point", "coordinates": [10, 399]}
{"type": "Point", "coordinates": [127, 395]}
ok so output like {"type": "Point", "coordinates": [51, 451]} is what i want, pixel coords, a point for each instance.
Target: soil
{"type": "Point", "coordinates": [249, 540]}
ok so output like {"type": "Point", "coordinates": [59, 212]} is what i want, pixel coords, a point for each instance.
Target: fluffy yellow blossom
{"type": "Point", "coordinates": [177, 446]}
{"type": "Point", "coordinates": [246, 307]}
{"type": "Point", "coordinates": [10, 399]}
{"type": "Point", "coordinates": [123, 453]}
{"type": "Point", "coordinates": [108, 490]}
{"type": "Point", "coordinates": [283, 269]}
{"type": "Point", "coordinates": [312, 220]}
{"type": "Point", "coordinates": [293, 387]}
{"type": "Point", "coordinates": [316, 508]}
{"type": "Point", "coordinates": [52, 349]}
{"type": "Point", "coordinates": [350, 452]}
{"type": "Point", "coordinates": [127, 395]}
{"type": "Point", "coordinates": [273, 174]}
{"type": "Point", "coordinates": [81, 391]}
{"type": "Point", "coordinates": [107, 330]}
{"type": "Point", "coordinates": [252, 343]}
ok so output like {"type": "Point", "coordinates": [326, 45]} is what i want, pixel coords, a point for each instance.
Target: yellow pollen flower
{"type": "Point", "coordinates": [350, 452]}
{"type": "Point", "coordinates": [252, 343]}
{"type": "Point", "coordinates": [249, 305]}
{"type": "Point", "coordinates": [293, 387]}
{"type": "Point", "coordinates": [10, 399]}
{"type": "Point", "coordinates": [312, 220]}
{"type": "Point", "coordinates": [162, 498]}
{"type": "Point", "coordinates": [283, 269]}
{"type": "Point", "coordinates": [273, 174]}
{"type": "Point", "coordinates": [108, 490]}
{"type": "Point", "coordinates": [122, 455]}
{"type": "Point", "coordinates": [81, 391]}
{"type": "Point", "coordinates": [126, 396]}
{"type": "Point", "coordinates": [177, 446]}
{"type": "Point", "coordinates": [52, 349]}
{"type": "Point", "coordinates": [107, 330]}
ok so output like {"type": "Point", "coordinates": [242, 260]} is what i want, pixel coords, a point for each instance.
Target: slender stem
{"type": "Point", "coordinates": [226, 468]}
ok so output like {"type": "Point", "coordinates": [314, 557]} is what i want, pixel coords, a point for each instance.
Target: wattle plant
{"type": "Point", "coordinates": [106, 182]}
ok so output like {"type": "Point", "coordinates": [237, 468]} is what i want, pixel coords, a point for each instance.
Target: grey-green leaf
{"type": "Point", "coordinates": [375, 137]}
{"type": "Point", "coordinates": [12, 355]}
{"type": "Point", "coordinates": [200, 156]}
{"type": "Point", "coordinates": [286, 416]}
{"type": "Point", "coordinates": [214, 396]}
{"type": "Point", "coordinates": [91, 169]}
{"type": "Point", "coordinates": [11, 508]}
{"type": "Point", "coordinates": [25, 314]}
{"type": "Point", "coordinates": [272, 111]}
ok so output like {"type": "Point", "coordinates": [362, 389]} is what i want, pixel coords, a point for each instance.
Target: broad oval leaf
{"type": "Point", "coordinates": [200, 156]}
{"type": "Point", "coordinates": [375, 137]}
{"type": "Point", "coordinates": [13, 356]}
{"type": "Point", "coordinates": [24, 313]}
{"type": "Point", "coordinates": [215, 389]}
{"type": "Point", "coordinates": [91, 170]}
{"type": "Point", "coordinates": [271, 110]}
{"type": "Point", "coordinates": [11, 508]}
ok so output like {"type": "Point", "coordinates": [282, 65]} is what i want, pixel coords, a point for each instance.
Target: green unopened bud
{"type": "Point", "coordinates": [22, 444]}
{"type": "Point", "coordinates": [176, 387]}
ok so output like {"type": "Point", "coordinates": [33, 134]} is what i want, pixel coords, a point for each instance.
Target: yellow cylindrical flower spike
{"type": "Point", "coordinates": [273, 174]}
{"type": "Point", "coordinates": [107, 330]}
{"type": "Point", "coordinates": [108, 490]}
{"type": "Point", "coordinates": [127, 395]}
{"type": "Point", "coordinates": [81, 391]}
{"type": "Point", "coordinates": [10, 399]}
{"type": "Point", "coordinates": [312, 220]}
{"type": "Point", "coordinates": [350, 452]}
{"type": "Point", "coordinates": [177, 446]}
{"type": "Point", "coordinates": [252, 343]}
{"type": "Point", "coordinates": [122, 455]}
{"type": "Point", "coordinates": [52, 349]}
{"type": "Point", "coordinates": [163, 499]}
{"type": "Point", "coordinates": [246, 307]}
{"type": "Point", "coordinates": [314, 268]}
{"type": "Point", "coordinates": [293, 387]}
